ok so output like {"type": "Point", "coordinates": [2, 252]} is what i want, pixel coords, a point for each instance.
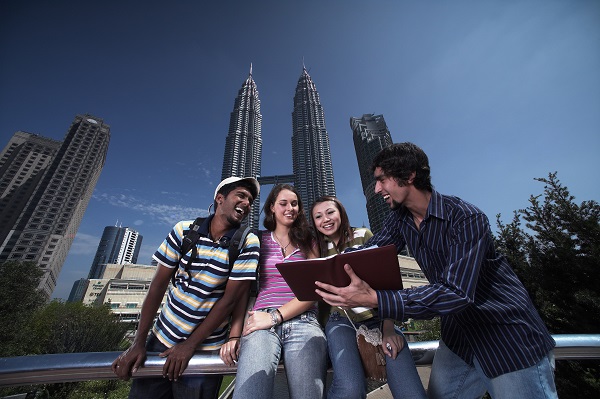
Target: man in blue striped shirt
{"type": "Point", "coordinates": [199, 302]}
{"type": "Point", "coordinates": [492, 337]}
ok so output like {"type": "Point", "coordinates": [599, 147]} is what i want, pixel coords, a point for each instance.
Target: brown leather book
{"type": "Point", "coordinates": [378, 266]}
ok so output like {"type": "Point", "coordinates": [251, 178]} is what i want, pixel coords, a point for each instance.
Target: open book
{"type": "Point", "coordinates": [378, 266]}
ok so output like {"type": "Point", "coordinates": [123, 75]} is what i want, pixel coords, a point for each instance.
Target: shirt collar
{"type": "Point", "coordinates": [436, 206]}
{"type": "Point", "coordinates": [435, 209]}
{"type": "Point", "coordinates": [204, 229]}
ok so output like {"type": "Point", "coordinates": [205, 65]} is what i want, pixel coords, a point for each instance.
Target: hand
{"type": "Point", "coordinates": [392, 343]}
{"type": "Point", "coordinates": [230, 351]}
{"type": "Point", "coordinates": [257, 321]}
{"type": "Point", "coordinates": [178, 358]}
{"type": "Point", "coordinates": [129, 361]}
{"type": "Point", "coordinates": [358, 293]}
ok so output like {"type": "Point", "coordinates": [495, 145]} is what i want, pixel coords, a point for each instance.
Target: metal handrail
{"type": "Point", "coordinates": [69, 367]}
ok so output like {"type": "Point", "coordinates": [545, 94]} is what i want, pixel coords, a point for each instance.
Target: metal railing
{"type": "Point", "coordinates": [69, 367]}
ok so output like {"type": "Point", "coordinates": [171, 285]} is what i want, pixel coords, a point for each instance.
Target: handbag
{"type": "Point", "coordinates": [371, 352]}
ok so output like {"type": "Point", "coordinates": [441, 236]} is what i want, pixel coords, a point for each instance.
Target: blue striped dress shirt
{"type": "Point", "coordinates": [485, 310]}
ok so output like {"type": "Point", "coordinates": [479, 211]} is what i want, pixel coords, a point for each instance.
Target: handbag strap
{"type": "Point", "coordinates": [372, 335]}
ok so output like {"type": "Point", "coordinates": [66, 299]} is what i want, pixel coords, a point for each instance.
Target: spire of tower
{"type": "Point", "coordinates": [250, 69]}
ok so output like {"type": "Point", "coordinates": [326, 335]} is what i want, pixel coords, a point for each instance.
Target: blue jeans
{"type": "Point", "coordinates": [300, 342]}
{"type": "Point", "coordinates": [451, 377]}
{"type": "Point", "coordinates": [204, 387]}
{"type": "Point", "coordinates": [348, 375]}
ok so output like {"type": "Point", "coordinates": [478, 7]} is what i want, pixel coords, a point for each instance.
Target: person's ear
{"type": "Point", "coordinates": [411, 178]}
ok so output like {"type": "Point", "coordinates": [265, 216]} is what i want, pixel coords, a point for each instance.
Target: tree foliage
{"type": "Point", "coordinates": [19, 298]}
{"type": "Point", "coordinates": [74, 327]}
{"type": "Point", "coordinates": [556, 254]}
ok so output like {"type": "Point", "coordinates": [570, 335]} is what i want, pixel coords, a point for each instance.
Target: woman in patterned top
{"type": "Point", "coordinates": [334, 234]}
{"type": "Point", "coordinates": [279, 326]}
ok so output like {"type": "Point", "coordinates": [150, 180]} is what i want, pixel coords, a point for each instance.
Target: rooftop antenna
{"type": "Point", "coordinates": [250, 69]}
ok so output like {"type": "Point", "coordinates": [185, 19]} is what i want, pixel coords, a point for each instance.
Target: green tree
{"type": "Point", "coordinates": [72, 327]}
{"type": "Point", "coordinates": [431, 330]}
{"type": "Point", "coordinates": [556, 254]}
{"type": "Point", "coordinates": [19, 299]}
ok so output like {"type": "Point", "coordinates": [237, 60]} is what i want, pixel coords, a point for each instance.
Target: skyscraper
{"type": "Point", "coordinates": [370, 135]}
{"type": "Point", "coordinates": [118, 245]}
{"type": "Point", "coordinates": [243, 145]}
{"type": "Point", "coordinates": [313, 173]}
{"type": "Point", "coordinates": [45, 187]}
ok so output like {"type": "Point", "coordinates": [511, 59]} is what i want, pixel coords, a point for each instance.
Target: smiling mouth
{"type": "Point", "coordinates": [239, 211]}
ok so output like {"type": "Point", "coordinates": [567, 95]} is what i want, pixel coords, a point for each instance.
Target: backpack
{"type": "Point", "coordinates": [236, 242]}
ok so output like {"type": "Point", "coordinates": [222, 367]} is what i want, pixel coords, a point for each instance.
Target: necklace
{"type": "Point", "coordinates": [283, 248]}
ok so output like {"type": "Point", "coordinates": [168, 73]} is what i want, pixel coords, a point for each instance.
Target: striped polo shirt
{"type": "Point", "coordinates": [273, 290]}
{"type": "Point", "coordinates": [197, 290]}
{"type": "Point", "coordinates": [485, 310]}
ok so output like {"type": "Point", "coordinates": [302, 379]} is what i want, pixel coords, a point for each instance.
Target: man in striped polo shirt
{"type": "Point", "coordinates": [492, 337]}
{"type": "Point", "coordinates": [199, 303]}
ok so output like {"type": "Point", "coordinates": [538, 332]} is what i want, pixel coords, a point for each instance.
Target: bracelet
{"type": "Point", "coordinates": [273, 318]}
{"type": "Point", "coordinates": [230, 338]}
{"type": "Point", "coordinates": [280, 316]}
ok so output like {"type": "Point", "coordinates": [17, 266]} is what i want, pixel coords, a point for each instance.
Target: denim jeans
{"type": "Point", "coordinates": [204, 387]}
{"type": "Point", "coordinates": [451, 377]}
{"type": "Point", "coordinates": [300, 342]}
{"type": "Point", "coordinates": [348, 375]}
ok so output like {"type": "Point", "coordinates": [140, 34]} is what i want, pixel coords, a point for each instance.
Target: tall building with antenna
{"type": "Point", "coordinates": [118, 245]}
{"type": "Point", "coordinates": [311, 155]}
{"type": "Point", "coordinates": [45, 187]}
{"type": "Point", "coordinates": [371, 135]}
{"type": "Point", "coordinates": [243, 145]}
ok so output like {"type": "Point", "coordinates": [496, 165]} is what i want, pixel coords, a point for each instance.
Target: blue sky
{"type": "Point", "coordinates": [496, 92]}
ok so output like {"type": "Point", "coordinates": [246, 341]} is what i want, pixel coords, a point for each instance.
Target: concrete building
{"type": "Point", "coordinates": [45, 187]}
{"type": "Point", "coordinates": [120, 245]}
{"type": "Point", "coordinates": [123, 287]}
{"type": "Point", "coordinates": [371, 135]}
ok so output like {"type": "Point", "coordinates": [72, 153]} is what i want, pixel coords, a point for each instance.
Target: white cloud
{"type": "Point", "coordinates": [84, 244]}
{"type": "Point", "coordinates": [164, 214]}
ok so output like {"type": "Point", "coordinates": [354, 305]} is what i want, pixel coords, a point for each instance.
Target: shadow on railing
{"type": "Point", "coordinates": [67, 367]}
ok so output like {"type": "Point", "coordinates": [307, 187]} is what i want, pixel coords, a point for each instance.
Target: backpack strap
{"type": "Point", "coordinates": [235, 247]}
{"type": "Point", "coordinates": [189, 241]}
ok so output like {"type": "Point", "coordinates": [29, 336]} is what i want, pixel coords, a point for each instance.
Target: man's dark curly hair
{"type": "Point", "coordinates": [400, 160]}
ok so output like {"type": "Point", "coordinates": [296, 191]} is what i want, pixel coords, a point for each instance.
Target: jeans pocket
{"type": "Point", "coordinates": [311, 317]}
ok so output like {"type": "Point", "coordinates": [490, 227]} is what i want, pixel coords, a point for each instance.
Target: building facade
{"type": "Point", "coordinates": [311, 155]}
{"type": "Point", "coordinates": [119, 245]}
{"type": "Point", "coordinates": [371, 135]}
{"type": "Point", "coordinates": [45, 187]}
{"type": "Point", "coordinates": [243, 145]}
{"type": "Point", "coordinates": [124, 288]}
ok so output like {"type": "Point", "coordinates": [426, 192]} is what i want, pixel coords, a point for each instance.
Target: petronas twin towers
{"type": "Point", "coordinates": [312, 170]}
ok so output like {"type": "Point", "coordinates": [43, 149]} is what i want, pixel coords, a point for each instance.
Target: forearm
{"type": "Point", "coordinates": [237, 317]}
{"type": "Point", "coordinates": [236, 291]}
{"type": "Point", "coordinates": [150, 307]}
{"type": "Point", "coordinates": [294, 308]}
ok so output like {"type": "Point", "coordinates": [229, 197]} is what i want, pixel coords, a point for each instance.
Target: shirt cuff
{"type": "Point", "coordinates": [391, 305]}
